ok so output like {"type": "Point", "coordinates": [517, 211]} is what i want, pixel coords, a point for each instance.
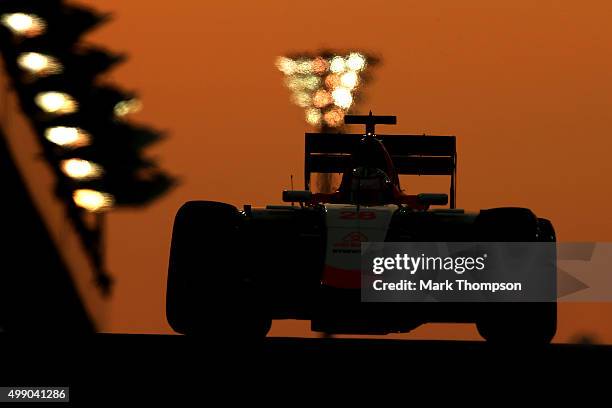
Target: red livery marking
{"type": "Point", "coordinates": [341, 278]}
{"type": "Point", "coordinates": [357, 215]}
{"type": "Point", "coordinates": [352, 239]}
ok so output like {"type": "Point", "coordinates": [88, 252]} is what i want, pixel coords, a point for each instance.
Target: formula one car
{"type": "Point", "coordinates": [233, 271]}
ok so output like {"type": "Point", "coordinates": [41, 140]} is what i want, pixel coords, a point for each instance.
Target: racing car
{"type": "Point", "coordinates": [232, 271]}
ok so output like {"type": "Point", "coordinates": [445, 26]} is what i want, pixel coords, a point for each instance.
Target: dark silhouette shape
{"type": "Point", "coordinates": [234, 271]}
{"type": "Point", "coordinates": [37, 293]}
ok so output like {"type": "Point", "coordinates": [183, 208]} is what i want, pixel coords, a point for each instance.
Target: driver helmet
{"type": "Point", "coordinates": [369, 186]}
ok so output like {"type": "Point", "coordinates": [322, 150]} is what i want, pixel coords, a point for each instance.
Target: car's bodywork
{"type": "Point", "coordinates": [236, 270]}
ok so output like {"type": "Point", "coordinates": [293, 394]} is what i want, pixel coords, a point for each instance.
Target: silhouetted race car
{"type": "Point", "coordinates": [233, 271]}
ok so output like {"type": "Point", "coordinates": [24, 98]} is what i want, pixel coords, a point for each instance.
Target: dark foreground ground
{"type": "Point", "coordinates": [114, 367]}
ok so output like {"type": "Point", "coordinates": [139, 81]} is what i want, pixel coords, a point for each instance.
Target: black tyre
{"type": "Point", "coordinates": [516, 323]}
{"type": "Point", "coordinates": [207, 293]}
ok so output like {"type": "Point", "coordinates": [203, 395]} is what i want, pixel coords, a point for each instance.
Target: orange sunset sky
{"type": "Point", "coordinates": [525, 85]}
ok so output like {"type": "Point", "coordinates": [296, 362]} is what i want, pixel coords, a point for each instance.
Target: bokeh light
{"type": "Point", "coordinates": [125, 108]}
{"type": "Point", "coordinates": [349, 79]}
{"type": "Point", "coordinates": [286, 65]}
{"type": "Point", "coordinates": [332, 81]}
{"type": "Point", "coordinates": [27, 25]}
{"type": "Point", "coordinates": [313, 116]}
{"type": "Point", "coordinates": [299, 83]}
{"type": "Point", "coordinates": [92, 200]}
{"type": "Point", "coordinates": [342, 97]}
{"type": "Point", "coordinates": [356, 61]}
{"type": "Point", "coordinates": [321, 98]}
{"type": "Point", "coordinates": [39, 64]}
{"type": "Point", "coordinates": [337, 65]}
{"type": "Point", "coordinates": [56, 102]}
{"type": "Point", "coordinates": [67, 136]}
{"type": "Point", "coordinates": [334, 117]}
{"type": "Point", "coordinates": [81, 169]}
{"type": "Point", "coordinates": [302, 99]}
{"type": "Point", "coordinates": [320, 65]}
{"type": "Point", "coordinates": [304, 67]}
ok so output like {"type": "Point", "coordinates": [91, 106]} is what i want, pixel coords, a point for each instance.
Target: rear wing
{"type": "Point", "coordinates": [414, 155]}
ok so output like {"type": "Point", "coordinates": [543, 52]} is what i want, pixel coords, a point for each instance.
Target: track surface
{"type": "Point", "coordinates": [108, 365]}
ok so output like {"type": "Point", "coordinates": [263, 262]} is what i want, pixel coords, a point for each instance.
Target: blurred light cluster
{"type": "Point", "coordinates": [82, 123]}
{"type": "Point", "coordinates": [324, 85]}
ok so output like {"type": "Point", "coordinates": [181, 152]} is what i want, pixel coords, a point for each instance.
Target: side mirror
{"type": "Point", "coordinates": [299, 196]}
{"type": "Point", "coordinates": [433, 198]}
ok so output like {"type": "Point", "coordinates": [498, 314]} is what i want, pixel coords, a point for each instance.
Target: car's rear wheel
{"type": "Point", "coordinates": [208, 293]}
{"type": "Point", "coordinates": [516, 323]}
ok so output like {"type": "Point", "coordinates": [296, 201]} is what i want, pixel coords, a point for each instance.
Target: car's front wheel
{"type": "Point", "coordinates": [207, 292]}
